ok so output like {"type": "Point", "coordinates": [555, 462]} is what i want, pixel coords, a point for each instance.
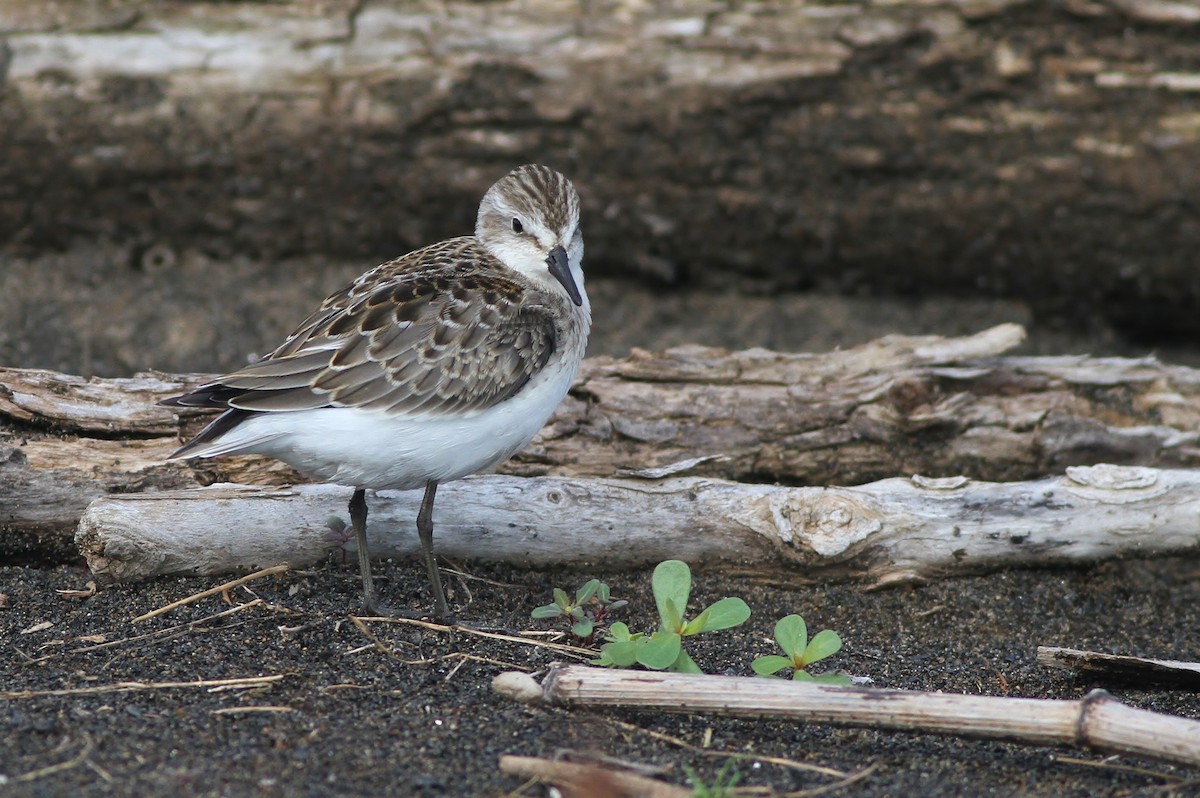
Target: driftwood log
{"type": "Point", "coordinates": [1122, 669]}
{"type": "Point", "coordinates": [898, 406]}
{"type": "Point", "coordinates": [893, 531]}
{"type": "Point", "coordinates": [1040, 150]}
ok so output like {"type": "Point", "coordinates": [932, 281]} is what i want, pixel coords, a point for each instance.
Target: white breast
{"type": "Point", "coordinates": [368, 449]}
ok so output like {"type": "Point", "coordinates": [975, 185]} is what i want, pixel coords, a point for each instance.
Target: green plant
{"type": "Point", "coordinates": [791, 633]}
{"type": "Point", "coordinates": [672, 584]}
{"type": "Point", "coordinates": [722, 786]}
{"type": "Point", "coordinates": [591, 605]}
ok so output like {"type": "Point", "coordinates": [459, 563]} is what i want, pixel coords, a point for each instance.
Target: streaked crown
{"type": "Point", "coordinates": [526, 216]}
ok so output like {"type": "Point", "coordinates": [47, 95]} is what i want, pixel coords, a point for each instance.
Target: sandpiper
{"type": "Point", "coordinates": [438, 364]}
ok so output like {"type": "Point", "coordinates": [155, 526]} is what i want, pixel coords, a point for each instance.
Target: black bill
{"type": "Point", "coordinates": [561, 270]}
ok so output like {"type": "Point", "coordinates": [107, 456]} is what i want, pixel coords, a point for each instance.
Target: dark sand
{"type": "Point", "coordinates": [412, 711]}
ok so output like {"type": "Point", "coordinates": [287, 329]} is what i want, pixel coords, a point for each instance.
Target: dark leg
{"type": "Point", "coordinates": [358, 519]}
{"type": "Point", "coordinates": [425, 531]}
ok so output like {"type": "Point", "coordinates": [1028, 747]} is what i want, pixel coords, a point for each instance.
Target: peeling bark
{"type": "Point", "coordinates": [900, 405]}
{"type": "Point", "coordinates": [894, 531]}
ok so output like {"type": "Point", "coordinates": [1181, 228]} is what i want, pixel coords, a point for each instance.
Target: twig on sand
{"type": "Point", "coordinates": [212, 591]}
{"type": "Point", "coordinates": [171, 631]}
{"type": "Point", "coordinates": [562, 648]}
{"type": "Point", "coordinates": [1096, 721]}
{"type": "Point", "coordinates": [126, 687]}
{"type": "Point", "coordinates": [251, 710]}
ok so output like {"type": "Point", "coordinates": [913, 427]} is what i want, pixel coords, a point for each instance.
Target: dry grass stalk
{"type": "Point", "coordinates": [212, 591]}
{"type": "Point", "coordinates": [213, 685]}
{"type": "Point", "coordinates": [1096, 721]}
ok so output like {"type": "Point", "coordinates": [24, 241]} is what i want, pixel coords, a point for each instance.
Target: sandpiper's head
{"type": "Point", "coordinates": [530, 220]}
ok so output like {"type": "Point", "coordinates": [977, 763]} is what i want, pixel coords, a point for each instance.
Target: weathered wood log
{"type": "Point", "coordinates": [892, 531]}
{"type": "Point", "coordinates": [907, 145]}
{"type": "Point", "coordinates": [1097, 721]}
{"type": "Point", "coordinates": [1110, 669]}
{"type": "Point", "coordinates": [897, 406]}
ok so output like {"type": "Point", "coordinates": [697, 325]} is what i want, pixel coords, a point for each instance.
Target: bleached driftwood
{"type": "Point", "coordinates": [1096, 721]}
{"type": "Point", "coordinates": [899, 405]}
{"type": "Point", "coordinates": [895, 530]}
{"type": "Point", "coordinates": [1142, 671]}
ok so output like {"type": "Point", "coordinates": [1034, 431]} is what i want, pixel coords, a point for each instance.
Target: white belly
{"type": "Point", "coordinates": [368, 449]}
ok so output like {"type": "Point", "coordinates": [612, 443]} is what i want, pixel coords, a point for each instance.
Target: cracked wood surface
{"type": "Point", "coordinates": [894, 531]}
{"type": "Point", "coordinates": [897, 406]}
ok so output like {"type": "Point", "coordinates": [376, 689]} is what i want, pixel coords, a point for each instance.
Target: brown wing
{"type": "Point", "coordinates": [434, 332]}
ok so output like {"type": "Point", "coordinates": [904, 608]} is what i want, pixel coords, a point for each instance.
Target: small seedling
{"type": "Point", "coordinates": [791, 633]}
{"type": "Point", "coordinates": [722, 786]}
{"type": "Point", "coordinates": [591, 604]}
{"type": "Point", "coordinates": [672, 584]}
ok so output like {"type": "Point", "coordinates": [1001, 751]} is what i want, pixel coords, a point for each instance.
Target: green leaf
{"type": "Point", "coordinates": [698, 624]}
{"type": "Point", "coordinates": [672, 580]}
{"type": "Point", "coordinates": [615, 605]}
{"type": "Point", "coordinates": [548, 611]}
{"type": "Point", "coordinates": [576, 613]}
{"type": "Point", "coordinates": [584, 628]}
{"type": "Point", "coordinates": [619, 633]}
{"type": "Point", "coordinates": [801, 675]}
{"type": "Point", "coordinates": [602, 593]}
{"type": "Point", "coordinates": [660, 650]}
{"type": "Point", "coordinates": [672, 620]}
{"type": "Point", "coordinates": [587, 591]}
{"type": "Point", "coordinates": [825, 644]}
{"type": "Point", "coordinates": [561, 599]}
{"type": "Point", "coordinates": [685, 664]}
{"type": "Point", "coordinates": [620, 655]}
{"type": "Point", "coordinates": [726, 613]}
{"type": "Point", "coordinates": [791, 634]}
{"type": "Point", "coordinates": [770, 664]}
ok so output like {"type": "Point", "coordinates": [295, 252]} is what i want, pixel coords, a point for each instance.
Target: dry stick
{"type": "Point", "coordinates": [1146, 672]}
{"type": "Point", "coordinates": [574, 651]}
{"type": "Point", "coordinates": [182, 627]}
{"type": "Point", "coordinates": [122, 687]}
{"type": "Point", "coordinates": [590, 780]}
{"type": "Point", "coordinates": [212, 591]}
{"type": "Point", "coordinates": [1097, 720]}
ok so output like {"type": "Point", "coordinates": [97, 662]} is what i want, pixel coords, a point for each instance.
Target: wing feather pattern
{"type": "Point", "coordinates": [443, 330]}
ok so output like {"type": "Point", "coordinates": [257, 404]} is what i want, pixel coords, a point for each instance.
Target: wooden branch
{"type": "Point", "coordinates": [1140, 671]}
{"type": "Point", "coordinates": [899, 405]}
{"type": "Point", "coordinates": [896, 530]}
{"type": "Point", "coordinates": [1097, 721]}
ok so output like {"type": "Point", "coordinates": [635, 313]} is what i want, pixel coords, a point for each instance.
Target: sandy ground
{"type": "Point", "coordinates": [397, 709]}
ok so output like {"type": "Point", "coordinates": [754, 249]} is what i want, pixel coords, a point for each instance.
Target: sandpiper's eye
{"type": "Point", "coordinates": [517, 226]}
